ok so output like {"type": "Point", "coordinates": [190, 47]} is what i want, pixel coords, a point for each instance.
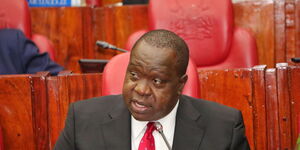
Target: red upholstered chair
{"type": "Point", "coordinates": [114, 74]}
{"type": "Point", "coordinates": [15, 14]}
{"type": "Point", "coordinates": [208, 28]}
{"type": "Point", "coordinates": [94, 3]}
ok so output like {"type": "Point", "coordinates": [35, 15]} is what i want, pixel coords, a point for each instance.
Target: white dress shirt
{"type": "Point", "coordinates": [138, 128]}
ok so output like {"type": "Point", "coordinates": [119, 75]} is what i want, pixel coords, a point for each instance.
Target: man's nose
{"type": "Point", "coordinates": [142, 88]}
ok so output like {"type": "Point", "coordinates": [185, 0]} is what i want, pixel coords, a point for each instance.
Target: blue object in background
{"type": "Point", "coordinates": [54, 3]}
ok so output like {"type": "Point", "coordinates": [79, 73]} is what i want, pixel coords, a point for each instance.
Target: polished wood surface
{"type": "Point", "coordinates": [267, 97]}
{"type": "Point", "coordinates": [65, 89]}
{"type": "Point", "coordinates": [273, 139]}
{"type": "Point", "coordinates": [16, 115]}
{"type": "Point", "coordinates": [74, 31]}
{"type": "Point", "coordinates": [222, 87]}
{"type": "Point", "coordinates": [284, 109]}
{"type": "Point", "coordinates": [258, 17]}
{"type": "Point", "coordinates": [40, 110]}
{"type": "Point", "coordinates": [259, 109]}
{"type": "Point", "coordinates": [294, 88]}
{"type": "Point", "coordinates": [67, 29]}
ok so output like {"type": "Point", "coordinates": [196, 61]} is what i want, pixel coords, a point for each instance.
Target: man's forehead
{"type": "Point", "coordinates": [144, 48]}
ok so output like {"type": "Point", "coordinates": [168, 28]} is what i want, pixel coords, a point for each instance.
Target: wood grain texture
{"type": "Point", "coordinates": [58, 103]}
{"type": "Point", "coordinates": [258, 17]}
{"type": "Point", "coordinates": [259, 102]}
{"type": "Point", "coordinates": [273, 129]}
{"type": "Point", "coordinates": [294, 88]}
{"type": "Point", "coordinates": [297, 24]}
{"type": "Point", "coordinates": [232, 88]}
{"type": "Point", "coordinates": [40, 109]}
{"type": "Point", "coordinates": [65, 28]}
{"type": "Point", "coordinates": [290, 30]}
{"type": "Point", "coordinates": [74, 31]}
{"type": "Point", "coordinates": [16, 116]}
{"type": "Point", "coordinates": [280, 40]}
{"type": "Point", "coordinates": [116, 24]}
{"type": "Point", "coordinates": [284, 109]}
{"type": "Point", "coordinates": [64, 90]}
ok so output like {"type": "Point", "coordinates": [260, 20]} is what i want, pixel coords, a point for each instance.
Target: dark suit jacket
{"type": "Point", "coordinates": [105, 124]}
{"type": "Point", "coordinates": [18, 55]}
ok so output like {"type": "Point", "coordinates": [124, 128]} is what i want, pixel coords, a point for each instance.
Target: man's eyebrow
{"type": "Point", "coordinates": [159, 70]}
{"type": "Point", "coordinates": [134, 64]}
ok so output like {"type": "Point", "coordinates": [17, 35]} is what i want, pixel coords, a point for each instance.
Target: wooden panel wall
{"type": "Point", "coordinates": [74, 31]}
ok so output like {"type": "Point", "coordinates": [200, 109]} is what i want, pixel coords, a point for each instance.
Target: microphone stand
{"type": "Point", "coordinates": [159, 128]}
{"type": "Point", "coordinates": [106, 45]}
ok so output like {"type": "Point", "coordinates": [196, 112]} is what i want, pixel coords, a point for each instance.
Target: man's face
{"type": "Point", "coordinates": [152, 86]}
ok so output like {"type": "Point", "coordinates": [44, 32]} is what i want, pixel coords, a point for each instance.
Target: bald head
{"type": "Point", "coordinates": [166, 39]}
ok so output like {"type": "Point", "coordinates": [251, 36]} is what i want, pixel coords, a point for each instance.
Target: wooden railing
{"type": "Point", "coordinates": [33, 107]}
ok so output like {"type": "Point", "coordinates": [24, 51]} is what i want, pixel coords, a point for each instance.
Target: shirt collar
{"type": "Point", "coordinates": [167, 121]}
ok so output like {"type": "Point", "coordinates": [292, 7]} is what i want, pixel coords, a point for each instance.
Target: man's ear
{"type": "Point", "coordinates": [182, 82]}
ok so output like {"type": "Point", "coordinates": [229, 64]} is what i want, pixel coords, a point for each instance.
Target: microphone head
{"type": "Point", "coordinates": [158, 126]}
{"type": "Point", "coordinates": [102, 44]}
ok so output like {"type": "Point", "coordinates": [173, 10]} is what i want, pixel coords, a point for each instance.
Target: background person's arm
{"type": "Point", "coordinates": [32, 61]}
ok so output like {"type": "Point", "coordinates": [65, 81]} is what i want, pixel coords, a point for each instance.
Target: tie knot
{"type": "Point", "coordinates": [150, 127]}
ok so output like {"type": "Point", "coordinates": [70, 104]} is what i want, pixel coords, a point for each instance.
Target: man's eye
{"type": "Point", "coordinates": [157, 81]}
{"type": "Point", "coordinates": [134, 75]}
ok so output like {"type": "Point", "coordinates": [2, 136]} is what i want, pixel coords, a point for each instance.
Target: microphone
{"type": "Point", "coordinates": [159, 128]}
{"type": "Point", "coordinates": [106, 45]}
{"type": "Point", "coordinates": [296, 60]}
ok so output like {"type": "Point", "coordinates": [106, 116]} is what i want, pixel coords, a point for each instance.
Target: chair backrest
{"type": "Point", "coordinates": [114, 74]}
{"type": "Point", "coordinates": [207, 27]}
{"type": "Point", "coordinates": [15, 14]}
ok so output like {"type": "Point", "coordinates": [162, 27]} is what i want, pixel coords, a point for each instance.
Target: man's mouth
{"type": "Point", "coordinates": [139, 107]}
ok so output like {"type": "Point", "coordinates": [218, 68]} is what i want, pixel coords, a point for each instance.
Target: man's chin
{"type": "Point", "coordinates": [141, 117]}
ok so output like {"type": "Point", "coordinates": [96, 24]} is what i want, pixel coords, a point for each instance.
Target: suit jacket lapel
{"type": "Point", "coordinates": [117, 128]}
{"type": "Point", "coordinates": [189, 130]}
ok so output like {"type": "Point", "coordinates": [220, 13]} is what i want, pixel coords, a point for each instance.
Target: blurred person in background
{"type": "Point", "coordinates": [19, 55]}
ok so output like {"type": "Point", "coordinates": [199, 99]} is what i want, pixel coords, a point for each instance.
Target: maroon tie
{"type": "Point", "coordinates": [147, 142]}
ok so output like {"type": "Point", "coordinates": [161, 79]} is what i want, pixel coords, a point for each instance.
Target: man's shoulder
{"type": "Point", "coordinates": [212, 109]}
{"type": "Point", "coordinates": [10, 34]}
{"type": "Point", "coordinates": [103, 103]}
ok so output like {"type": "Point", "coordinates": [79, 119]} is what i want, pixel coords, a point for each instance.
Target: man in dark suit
{"type": "Point", "coordinates": [152, 89]}
{"type": "Point", "coordinates": [18, 55]}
